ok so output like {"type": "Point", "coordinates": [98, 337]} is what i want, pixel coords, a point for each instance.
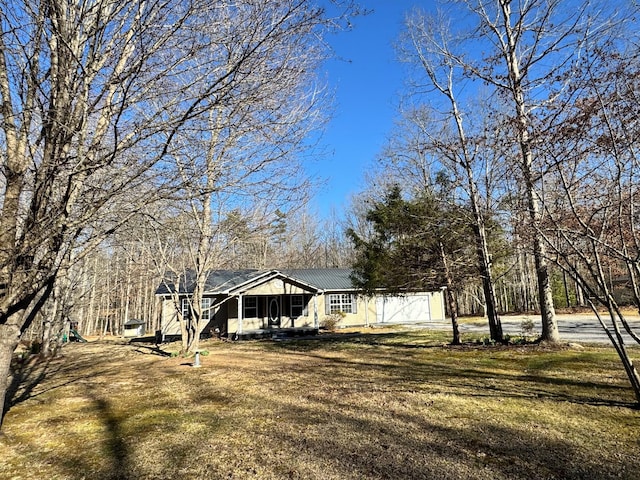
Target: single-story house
{"type": "Point", "coordinates": [239, 303]}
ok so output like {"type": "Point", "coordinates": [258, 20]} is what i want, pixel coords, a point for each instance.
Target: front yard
{"type": "Point", "coordinates": [377, 405]}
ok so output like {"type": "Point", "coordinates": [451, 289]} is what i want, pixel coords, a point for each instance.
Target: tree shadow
{"type": "Point", "coordinates": [349, 442]}
{"type": "Point", "coordinates": [397, 363]}
{"type": "Point", "coordinates": [339, 424]}
{"type": "Point", "coordinates": [115, 444]}
{"type": "Point", "coordinates": [27, 374]}
{"type": "Point", "coordinates": [424, 449]}
{"type": "Point", "coordinates": [151, 350]}
{"type": "Point", "coordinates": [115, 448]}
{"type": "Point", "coordinates": [393, 339]}
{"type": "Point", "coordinates": [54, 373]}
{"type": "Point", "coordinates": [147, 345]}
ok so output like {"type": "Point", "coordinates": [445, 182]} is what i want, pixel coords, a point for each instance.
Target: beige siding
{"type": "Point", "coordinates": [305, 321]}
{"type": "Point", "coordinates": [169, 316]}
{"type": "Point", "coordinates": [275, 287]}
{"type": "Point", "coordinates": [437, 306]}
{"type": "Point", "coordinates": [169, 324]}
{"type": "Point", "coordinates": [365, 312]}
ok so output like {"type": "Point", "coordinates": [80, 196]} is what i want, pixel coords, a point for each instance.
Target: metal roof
{"type": "Point", "coordinates": [222, 281]}
{"type": "Point", "coordinates": [134, 321]}
{"type": "Point", "coordinates": [217, 280]}
{"type": "Point", "coordinates": [323, 278]}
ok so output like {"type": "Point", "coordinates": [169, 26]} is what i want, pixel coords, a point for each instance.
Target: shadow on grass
{"type": "Point", "coordinates": [26, 376]}
{"type": "Point", "coordinates": [153, 350]}
{"type": "Point", "coordinates": [412, 447]}
{"type": "Point", "coordinates": [269, 426]}
{"type": "Point", "coordinates": [411, 364]}
{"type": "Point", "coordinates": [34, 376]}
{"type": "Point", "coordinates": [347, 440]}
{"type": "Point", "coordinates": [33, 372]}
{"type": "Point", "coordinates": [114, 449]}
{"type": "Point", "coordinates": [408, 340]}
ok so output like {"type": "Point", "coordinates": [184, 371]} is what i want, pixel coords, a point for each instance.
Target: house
{"type": "Point", "coordinates": [244, 303]}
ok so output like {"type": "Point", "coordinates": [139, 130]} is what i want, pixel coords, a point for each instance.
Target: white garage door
{"type": "Point", "coordinates": [405, 309]}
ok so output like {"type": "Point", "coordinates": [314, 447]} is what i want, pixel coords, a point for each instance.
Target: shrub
{"type": "Point", "coordinates": [330, 322]}
{"type": "Point", "coordinates": [527, 327]}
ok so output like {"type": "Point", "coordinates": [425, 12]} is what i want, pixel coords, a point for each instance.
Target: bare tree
{"type": "Point", "coordinates": [245, 154]}
{"type": "Point", "coordinates": [72, 98]}
{"type": "Point", "coordinates": [523, 51]}
{"type": "Point", "coordinates": [591, 209]}
{"type": "Point", "coordinates": [446, 135]}
{"type": "Point", "coordinates": [92, 96]}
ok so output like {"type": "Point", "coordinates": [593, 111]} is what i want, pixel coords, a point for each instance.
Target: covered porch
{"type": "Point", "coordinates": [275, 305]}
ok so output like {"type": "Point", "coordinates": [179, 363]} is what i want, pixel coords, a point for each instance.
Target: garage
{"type": "Point", "coordinates": [414, 308]}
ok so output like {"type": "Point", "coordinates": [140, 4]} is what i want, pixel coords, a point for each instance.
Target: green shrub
{"type": "Point", "coordinates": [527, 327]}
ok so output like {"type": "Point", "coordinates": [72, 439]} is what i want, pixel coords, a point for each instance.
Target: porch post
{"type": "Point", "coordinates": [316, 323]}
{"type": "Point", "coordinates": [240, 314]}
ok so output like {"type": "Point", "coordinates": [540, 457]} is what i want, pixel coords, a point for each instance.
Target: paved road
{"type": "Point", "coordinates": [580, 328]}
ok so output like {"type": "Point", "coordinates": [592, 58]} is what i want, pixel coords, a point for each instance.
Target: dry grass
{"type": "Point", "coordinates": [383, 405]}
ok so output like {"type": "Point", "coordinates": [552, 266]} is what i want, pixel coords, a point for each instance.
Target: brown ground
{"type": "Point", "coordinates": [377, 406]}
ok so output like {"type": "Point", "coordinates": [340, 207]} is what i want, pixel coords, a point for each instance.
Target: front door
{"type": "Point", "coordinates": [273, 310]}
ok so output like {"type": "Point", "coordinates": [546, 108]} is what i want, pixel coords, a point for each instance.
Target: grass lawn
{"type": "Point", "coordinates": [379, 405]}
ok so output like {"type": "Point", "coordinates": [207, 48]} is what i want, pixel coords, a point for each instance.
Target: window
{"type": "Point", "coordinates": [206, 309]}
{"type": "Point", "coordinates": [205, 305]}
{"type": "Point", "coordinates": [250, 307]}
{"type": "Point", "coordinates": [341, 302]}
{"type": "Point", "coordinates": [185, 309]}
{"type": "Point", "coordinates": [297, 306]}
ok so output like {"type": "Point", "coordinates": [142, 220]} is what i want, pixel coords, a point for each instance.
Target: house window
{"type": "Point", "coordinates": [205, 305]}
{"type": "Point", "coordinates": [297, 306]}
{"type": "Point", "coordinates": [250, 307]}
{"type": "Point", "coordinates": [341, 302]}
{"type": "Point", "coordinates": [206, 309]}
{"type": "Point", "coordinates": [185, 310]}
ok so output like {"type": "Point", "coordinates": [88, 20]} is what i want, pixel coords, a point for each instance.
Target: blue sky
{"type": "Point", "coordinates": [367, 83]}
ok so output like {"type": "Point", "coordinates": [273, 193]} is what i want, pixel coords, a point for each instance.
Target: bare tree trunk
{"type": "Point", "coordinates": [92, 315]}
{"type": "Point", "coordinates": [618, 343]}
{"type": "Point", "coordinates": [510, 51]}
{"type": "Point", "coordinates": [440, 72]}
{"type": "Point", "coordinates": [451, 299]}
{"type": "Point", "coordinates": [566, 289]}
{"type": "Point", "coordinates": [9, 339]}
{"type": "Point", "coordinates": [47, 328]}
{"type": "Point", "coordinates": [547, 311]}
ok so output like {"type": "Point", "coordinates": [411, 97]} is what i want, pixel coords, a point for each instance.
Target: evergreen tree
{"type": "Point", "coordinates": [416, 244]}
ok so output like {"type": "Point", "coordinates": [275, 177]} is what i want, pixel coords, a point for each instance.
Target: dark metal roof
{"type": "Point", "coordinates": [217, 281]}
{"type": "Point", "coordinates": [323, 278]}
{"type": "Point", "coordinates": [221, 281]}
{"type": "Point", "coordinates": [134, 321]}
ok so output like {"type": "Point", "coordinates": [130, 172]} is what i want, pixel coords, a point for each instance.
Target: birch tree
{"type": "Point", "coordinates": [522, 51]}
